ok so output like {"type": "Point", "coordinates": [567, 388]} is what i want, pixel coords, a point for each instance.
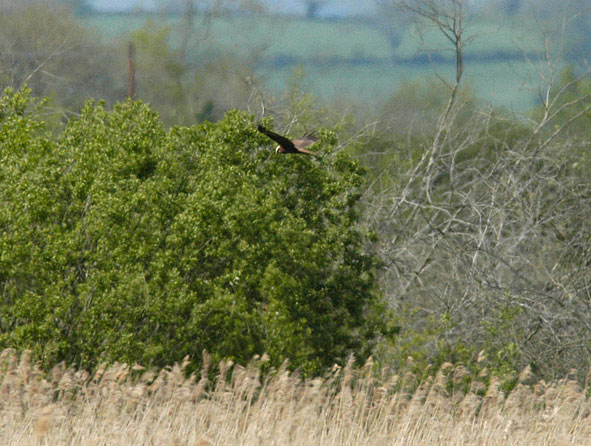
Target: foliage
{"type": "Point", "coordinates": [43, 45]}
{"type": "Point", "coordinates": [572, 104]}
{"type": "Point", "coordinates": [121, 240]}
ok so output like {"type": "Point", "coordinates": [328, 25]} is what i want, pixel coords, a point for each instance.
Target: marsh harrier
{"type": "Point", "coordinates": [288, 146]}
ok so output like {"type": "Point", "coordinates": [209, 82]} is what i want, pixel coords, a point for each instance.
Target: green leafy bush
{"type": "Point", "coordinates": [122, 240]}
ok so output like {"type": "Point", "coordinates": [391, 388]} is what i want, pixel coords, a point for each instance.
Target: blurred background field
{"type": "Point", "coordinates": [354, 58]}
{"type": "Point", "coordinates": [211, 54]}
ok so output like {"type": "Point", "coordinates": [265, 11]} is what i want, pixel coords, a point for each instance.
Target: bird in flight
{"type": "Point", "coordinates": [286, 145]}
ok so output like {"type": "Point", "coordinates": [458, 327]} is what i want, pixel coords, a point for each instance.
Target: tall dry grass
{"type": "Point", "coordinates": [123, 405]}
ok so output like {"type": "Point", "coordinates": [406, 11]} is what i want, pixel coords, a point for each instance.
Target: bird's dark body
{"type": "Point", "coordinates": [286, 145]}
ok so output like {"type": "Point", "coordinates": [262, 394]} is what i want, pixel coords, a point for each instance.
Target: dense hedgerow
{"type": "Point", "coordinates": [123, 240]}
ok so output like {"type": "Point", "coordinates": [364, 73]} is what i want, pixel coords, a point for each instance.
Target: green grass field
{"type": "Point", "coordinates": [484, 39]}
{"type": "Point", "coordinates": [356, 60]}
{"type": "Point", "coordinates": [507, 84]}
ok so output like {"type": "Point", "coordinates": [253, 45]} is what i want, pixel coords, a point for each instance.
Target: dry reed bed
{"type": "Point", "coordinates": [122, 405]}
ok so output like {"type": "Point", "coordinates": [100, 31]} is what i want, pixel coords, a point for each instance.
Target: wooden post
{"type": "Point", "coordinates": [131, 76]}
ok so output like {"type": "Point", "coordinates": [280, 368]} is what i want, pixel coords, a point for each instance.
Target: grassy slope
{"type": "Point", "coordinates": [485, 39]}
{"type": "Point", "coordinates": [330, 53]}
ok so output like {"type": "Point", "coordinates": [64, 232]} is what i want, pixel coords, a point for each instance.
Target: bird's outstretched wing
{"type": "Point", "coordinates": [284, 142]}
{"type": "Point", "coordinates": [302, 143]}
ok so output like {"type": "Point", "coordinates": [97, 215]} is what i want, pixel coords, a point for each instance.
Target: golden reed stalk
{"type": "Point", "coordinates": [129, 405]}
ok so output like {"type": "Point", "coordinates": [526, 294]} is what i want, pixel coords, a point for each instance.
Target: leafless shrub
{"type": "Point", "coordinates": [474, 234]}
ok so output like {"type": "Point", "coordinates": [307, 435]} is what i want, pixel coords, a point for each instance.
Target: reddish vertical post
{"type": "Point", "coordinates": [131, 78]}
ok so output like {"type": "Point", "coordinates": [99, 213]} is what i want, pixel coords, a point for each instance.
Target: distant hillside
{"type": "Point", "coordinates": [354, 58]}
